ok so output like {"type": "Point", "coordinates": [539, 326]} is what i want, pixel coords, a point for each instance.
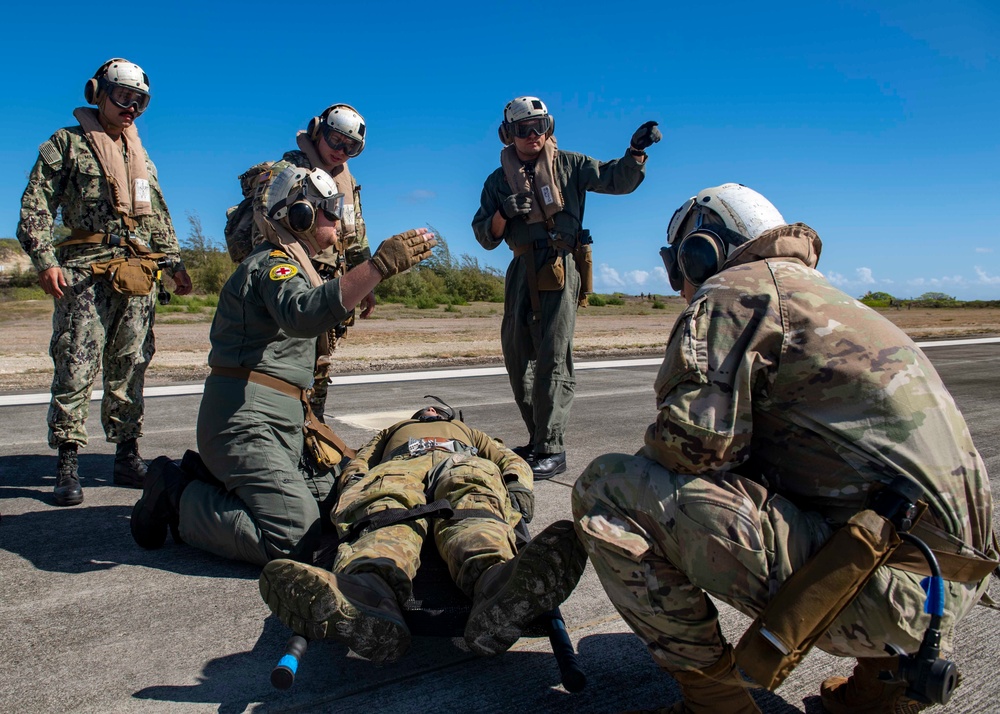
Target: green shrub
{"type": "Point", "coordinates": [657, 305]}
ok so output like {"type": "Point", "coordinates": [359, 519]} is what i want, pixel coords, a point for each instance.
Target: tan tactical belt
{"type": "Point", "coordinates": [326, 447]}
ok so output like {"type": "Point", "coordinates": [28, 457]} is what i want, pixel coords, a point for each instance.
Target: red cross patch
{"type": "Point", "coordinates": [283, 272]}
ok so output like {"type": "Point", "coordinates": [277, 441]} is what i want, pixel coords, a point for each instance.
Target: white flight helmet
{"type": "Point", "coordinates": [295, 195]}
{"type": "Point", "coordinates": [697, 246]}
{"type": "Point", "coordinates": [122, 81]}
{"type": "Point", "coordinates": [523, 116]}
{"type": "Point", "coordinates": [342, 127]}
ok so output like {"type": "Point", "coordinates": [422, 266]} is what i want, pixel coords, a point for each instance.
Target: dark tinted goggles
{"type": "Point", "coordinates": [127, 98]}
{"type": "Point", "coordinates": [536, 125]}
{"type": "Point", "coordinates": [341, 142]}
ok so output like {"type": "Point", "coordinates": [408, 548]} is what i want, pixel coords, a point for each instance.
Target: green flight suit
{"type": "Point", "coordinates": [538, 353]}
{"type": "Point", "coordinates": [249, 435]}
{"type": "Point", "coordinates": [94, 328]}
{"type": "Point", "coordinates": [783, 403]}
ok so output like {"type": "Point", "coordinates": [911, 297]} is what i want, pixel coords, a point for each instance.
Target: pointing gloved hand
{"type": "Point", "coordinates": [645, 136]}
{"type": "Point", "coordinates": [403, 251]}
{"type": "Point", "coordinates": [517, 204]}
{"type": "Point", "coordinates": [523, 499]}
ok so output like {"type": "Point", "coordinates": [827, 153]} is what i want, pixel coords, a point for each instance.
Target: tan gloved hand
{"type": "Point", "coordinates": [403, 251]}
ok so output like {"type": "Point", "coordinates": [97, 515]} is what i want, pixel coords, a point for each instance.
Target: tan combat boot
{"type": "Point", "coordinates": [359, 610]}
{"type": "Point", "coordinates": [864, 693]}
{"type": "Point", "coordinates": [718, 689]}
{"type": "Point", "coordinates": [510, 595]}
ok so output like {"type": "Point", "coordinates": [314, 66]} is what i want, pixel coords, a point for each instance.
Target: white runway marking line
{"type": "Point", "coordinates": [183, 390]}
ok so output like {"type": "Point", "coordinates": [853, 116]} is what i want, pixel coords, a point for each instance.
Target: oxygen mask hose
{"type": "Point", "coordinates": [929, 679]}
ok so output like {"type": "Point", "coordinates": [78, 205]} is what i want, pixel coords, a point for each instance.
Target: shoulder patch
{"type": "Point", "coordinates": [284, 271]}
{"type": "Point", "coordinates": [50, 154]}
{"type": "Point", "coordinates": [277, 254]}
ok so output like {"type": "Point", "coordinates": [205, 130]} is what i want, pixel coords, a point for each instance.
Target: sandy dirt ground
{"type": "Point", "coordinates": [401, 338]}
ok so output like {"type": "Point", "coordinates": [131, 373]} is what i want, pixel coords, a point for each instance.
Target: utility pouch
{"type": "Point", "coordinates": [583, 256]}
{"type": "Point", "coordinates": [808, 602]}
{"type": "Point", "coordinates": [552, 274]}
{"type": "Point", "coordinates": [129, 276]}
{"type": "Point", "coordinates": [324, 446]}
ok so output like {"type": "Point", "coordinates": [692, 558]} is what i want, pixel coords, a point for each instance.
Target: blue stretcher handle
{"type": "Point", "coordinates": [570, 673]}
{"type": "Point", "coordinates": [283, 674]}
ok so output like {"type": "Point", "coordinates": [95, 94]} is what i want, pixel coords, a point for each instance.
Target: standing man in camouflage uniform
{"type": "Point", "coordinates": [534, 202]}
{"type": "Point", "coordinates": [100, 177]}
{"type": "Point", "coordinates": [785, 406]}
{"type": "Point", "coordinates": [382, 520]}
{"type": "Point", "coordinates": [263, 504]}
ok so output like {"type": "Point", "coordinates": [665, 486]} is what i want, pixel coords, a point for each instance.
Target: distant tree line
{"type": "Point", "coordinates": [929, 299]}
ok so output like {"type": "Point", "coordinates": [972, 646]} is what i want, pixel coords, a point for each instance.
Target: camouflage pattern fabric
{"type": "Point", "coordinates": [782, 403]}
{"type": "Point", "coordinates": [468, 545]}
{"type": "Point", "coordinates": [661, 542]}
{"type": "Point", "coordinates": [539, 354]}
{"type": "Point", "coordinates": [93, 327]}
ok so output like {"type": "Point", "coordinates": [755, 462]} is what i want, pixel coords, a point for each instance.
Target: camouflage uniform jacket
{"type": "Point", "coordinates": [68, 176]}
{"type": "Point", "coordinates": [269, 316]}
{"type": "Point", "coordinates": [773, 372]}
{"type": "Point", "coordinates": [381, 447]}
{"type": "Point", "coordinates": [358, 250]}
{"type": "Point", "coordinates": [576, 174]}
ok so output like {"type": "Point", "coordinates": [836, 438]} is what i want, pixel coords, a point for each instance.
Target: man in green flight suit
{"type": "Point", "coordinates": [787, 411]}
{"type": "Point", "coordinates": [99, 175]}
{"type": "Point", "coordinates": [382, 519]}
{"type": "Point", "coordinates": [265, 505]}
{"type": "Point", "coordinates": [534, 202]}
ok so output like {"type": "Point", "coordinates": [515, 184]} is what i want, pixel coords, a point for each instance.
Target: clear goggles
{"type": "Point", "coordinates": [535, 125]}
{"type": "Point", "coordinates": [341, 142]}
{"type": "Point", "coordinates": [127, 97]}
{"type": "Point", "coordinates": [331, 206]}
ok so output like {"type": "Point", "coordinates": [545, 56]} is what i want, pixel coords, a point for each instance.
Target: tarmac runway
{"type": "Point", "coordinates": [92, 623]}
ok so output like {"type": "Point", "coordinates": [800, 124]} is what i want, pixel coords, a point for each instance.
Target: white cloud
{"type": "Point", "coordinates": [419, 195]}
{"type": "Point", "coordinates": [837, 279]}
{"type": "Point", "coordinates": [865, 276]}
{"type": "Point", "coordinates": [639, 277]}
{"type": "Point", "coordinates": [946, 281]}
{"type": "Point", "coordinates": [608, 277]}
{"type": "Point", "coordinates": [984, 250]}
{"type": "Point", "coordinates": [985, 278]}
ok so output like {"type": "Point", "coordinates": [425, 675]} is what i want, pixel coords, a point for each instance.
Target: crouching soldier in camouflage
{"type": "Point", "coordinates": [381, 519]}
{"type": "Point", "coordinates": [250, 424]}
{"type": "Point", "coordinates": [789, 417]}
{"type": "Point", "coordinates": [102, 276]}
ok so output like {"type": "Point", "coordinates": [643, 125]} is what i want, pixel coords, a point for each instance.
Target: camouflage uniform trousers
{"type": "Point", "coordinates": [661, 542]}
{"type": "Point", "coordinates": [538, 354]}
{"type": "Point", "coordinates": [468, 545]}
{"type": "Point", "coordinates": [95, 328]}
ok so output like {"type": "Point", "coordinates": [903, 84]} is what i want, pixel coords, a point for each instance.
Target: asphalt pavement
{"type": "Point", "coordinates": [92, 623]}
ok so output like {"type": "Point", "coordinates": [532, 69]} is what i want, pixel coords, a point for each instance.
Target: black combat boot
{"type": "Point", "coordinates": [130, 469]}
{"type": "Point", "coordinates": [67, 490]}
{"type": "Point", "coordinates": [159, 507]}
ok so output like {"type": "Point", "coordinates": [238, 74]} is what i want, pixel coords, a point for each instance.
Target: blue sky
{"type": "Point", "coordinates": [875, 123]}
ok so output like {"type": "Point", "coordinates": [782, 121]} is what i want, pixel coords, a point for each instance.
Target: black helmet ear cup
{"type": "Point", "coordinates": [90, 91]}
{"type": "Point", "coordinates": [313, 129]}
{"type": "Point", "coordinates": [503, 131]}
{"type": "Point", "coordinates": [301, 216]}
